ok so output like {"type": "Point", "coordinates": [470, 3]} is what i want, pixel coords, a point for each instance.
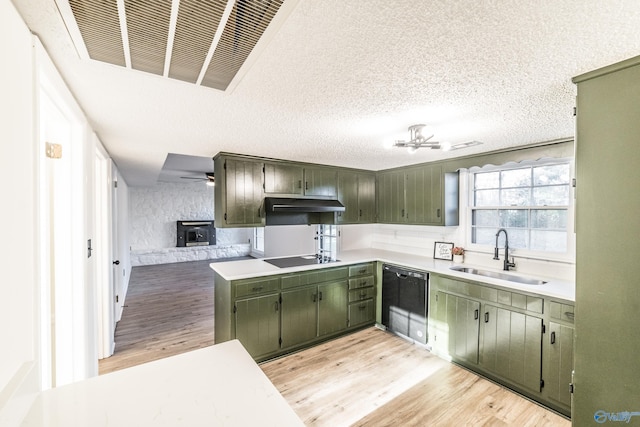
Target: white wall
{"type": "Point", "coordinates": [286, 240]}
{"type": "Point", "coordinates": [19, 313]}
{"type": "Point", "coordinates": [153, 212]}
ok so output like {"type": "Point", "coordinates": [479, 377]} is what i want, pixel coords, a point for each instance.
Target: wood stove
{"type": "Point", "coordinates": [196, 233]}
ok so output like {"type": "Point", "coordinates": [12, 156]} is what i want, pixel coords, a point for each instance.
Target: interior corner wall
{"type": "Point", "coordinates": [153, 212]}
{"type": "Point", "coordinates": [18, 185]}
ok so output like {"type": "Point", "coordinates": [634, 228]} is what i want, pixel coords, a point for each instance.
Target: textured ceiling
{"type": "Point", "coordinates": [338, 80]}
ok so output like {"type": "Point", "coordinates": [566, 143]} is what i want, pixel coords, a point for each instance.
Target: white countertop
{"type": "Point", "coordinates": [219, 385]}
{"type": "Point", "coordinates": [243, 269]}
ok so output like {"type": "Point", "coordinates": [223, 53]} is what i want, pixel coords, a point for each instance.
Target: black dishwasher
{"type": "Point", "coordinates": [404, 302]}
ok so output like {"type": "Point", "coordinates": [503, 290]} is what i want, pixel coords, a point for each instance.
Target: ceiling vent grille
{"type": "Point", "coordinates": [201, 42]}
{"type": "Point", "coordinates": [100, 27]}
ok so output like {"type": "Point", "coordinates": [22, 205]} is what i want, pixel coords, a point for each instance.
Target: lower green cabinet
{"type": "Point", "coordinates": [258, 324]}
{"type": "Point", "coordinates": [274, 315]}
{"type": "Point", "coordinates": [523, 341]}
{"type": "Point", "coordinates": [511, 346]}
{"type": "Point", "coordinates": [299, 312]}
{"type": "Point", "coordinates": [332, 307]}
{"type": "Point", "coordinates": [460, 336]}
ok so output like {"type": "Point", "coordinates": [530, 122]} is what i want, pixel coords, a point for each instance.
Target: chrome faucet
{"type": "Point", "coordinates": [507, 264]}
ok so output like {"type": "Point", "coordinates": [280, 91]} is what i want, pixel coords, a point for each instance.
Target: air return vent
{"type": "Point", "coordinates": [198, 41]}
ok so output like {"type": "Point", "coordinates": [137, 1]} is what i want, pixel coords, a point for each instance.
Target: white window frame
{"type": "Point", "coordinates": [468, 195]}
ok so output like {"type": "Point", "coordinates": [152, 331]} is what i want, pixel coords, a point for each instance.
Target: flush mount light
{"type": "Point", "coordinates": [420, 136]}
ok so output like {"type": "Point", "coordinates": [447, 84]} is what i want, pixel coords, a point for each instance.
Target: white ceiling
{"type": "Point", "coordinates": [338, 80]}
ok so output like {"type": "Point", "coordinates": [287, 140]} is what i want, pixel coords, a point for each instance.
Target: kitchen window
{"type": "Point", "coordinates": [532, 203]}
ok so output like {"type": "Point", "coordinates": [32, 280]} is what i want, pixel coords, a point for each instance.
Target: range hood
{"type": "Point", "coordinates": [295, 211]}
{"type": "Point", "coordinates": [281, 204]}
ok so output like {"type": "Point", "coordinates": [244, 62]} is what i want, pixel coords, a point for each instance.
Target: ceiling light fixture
{"type": "Point", "coordinates": [420, 136]}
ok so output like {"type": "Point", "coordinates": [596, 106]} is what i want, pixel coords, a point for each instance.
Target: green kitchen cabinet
{"type": "Point", "coordinates": [283, 178]}
{"type": "Point", "coordinates": [238, 196]}
{"type": "Point", "coordinates": [357, 192]}
{"type": "Point", "coordinates": [558, 355]}
{"type": "Point", "coordinates": [299, 316]}
{"type": "Point", "coordinates": [458, 320]}
{"type": "Point", "coordinates": [257, 324]}
{"type": "Point", "coordinates": [423, 194]}
{"type": "Point", "coordinates": [332, 307]}
{"type": "Point", "coordinates": [511, 346]}
{"type": "Point", "coordinates": [320, 182]}
{"type": "Point", "coordinates": [391, 209]}
{"type": "Point", "coordinates": [607, 339]}
{"type": "Point", "coordinates": [420, 195]}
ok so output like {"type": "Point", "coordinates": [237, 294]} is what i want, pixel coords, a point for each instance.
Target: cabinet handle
{"type": "Point", "coordinates": [363, 270]}
{"type": "Point", "coordinates": [256, 288]}
{"type": "Point", "coordinates": [553, 337]}
{"type": "Point", "coordinates": [277, 306]}
{"type": "Point", "coordinates": [438, 213]}
{"type": "Point", "coordinates": [320, 297]}
{"type": "Point", "coordinates": [306, 185]}
{"type": "Point", "coordinates": [315, 297]}
{"type": "Point", "coordinates": [402, 213]}
{"type": "Point", "coordinates": [476, 314]}
{"type": "Point", "coordinates": [360, 212]}
{"type": "Point", "coordinates": [569, 315]}
{"type": "Point", "coordinates": [362, 306]}
{"type": "Point", "coordinates": [486, 317]}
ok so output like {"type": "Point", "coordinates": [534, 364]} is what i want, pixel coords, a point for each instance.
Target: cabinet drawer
{"type": "Point", "coordinates": [560, 311]}
{"type": "Point", "coordinates": [527, 302]}
{"type": "Point", "coordinates": [361, 294]}
{"type": "Point", "coordinates": [315, 276]}
{"type": "Point", "coordinates": [361, 282]}
{"type": "Point", "coordinates": [256, 286]}
{"type": "Point", "coordinates": [361, 312]}
{"type": "Point", "coordinates": [361, 269]}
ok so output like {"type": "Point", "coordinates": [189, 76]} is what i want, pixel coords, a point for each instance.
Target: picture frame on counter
{"type": "Point", "coordinates": [443, 250]}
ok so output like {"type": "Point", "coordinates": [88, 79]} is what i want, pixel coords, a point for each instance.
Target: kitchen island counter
{"type": "Point", "coordinates": [219, 385]}
{"type": "Point", "coordinates": [555, 288]}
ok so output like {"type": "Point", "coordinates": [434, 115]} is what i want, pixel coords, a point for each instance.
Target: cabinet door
{"type": "Point", "coordinates": [243, 192]}
{"type": "Point", "coordinates": [258, 324]}
{"type": "Point", "coordinates": [299, 316]}
{"type": "Point", "coordinates": [362, 312]}
{"type": "Point", "coordinates": [283, 179]}
{"type": "Point", "coordinates": [348, 196]}
{"type": "Point", "coordinates": [320, 182]}
{"type": "Point", "coordinates": [332, 307]}
{"type": "Point", "coordinates": [559, 363]}
{"type": "Point", "coordinates": [512, 346]}
{"type": "Point", "coordinates": [457, 327]}
{"type": "Point", "coordinates": [366, 198]}
{"type": "Point", "coordinates": [391, 197]}
{"type": "Point", "coordinates": [424, 195]}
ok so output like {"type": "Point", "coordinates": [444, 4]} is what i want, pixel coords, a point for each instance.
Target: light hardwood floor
{"type": "Point", "coordinates": [369, 378]}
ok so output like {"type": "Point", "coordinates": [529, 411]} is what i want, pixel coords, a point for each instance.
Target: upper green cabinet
{"type": "Point", "coordinates": [282, 178]}
{"type": "Point", "coordinates": [422, 195]}
{"type": "Point", "coordinates": [357, 192]}
{"type": "Point", "coordinates": [297, 180]}
{"type": "Point", "coordinates": [238, 195]}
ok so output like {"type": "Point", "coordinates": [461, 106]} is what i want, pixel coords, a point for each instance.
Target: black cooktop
{"type": "Point", "coordinates": [297, 261]}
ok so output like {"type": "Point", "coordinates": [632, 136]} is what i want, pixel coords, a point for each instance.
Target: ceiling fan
{"type": "Point", "coordinates": [208, 178]}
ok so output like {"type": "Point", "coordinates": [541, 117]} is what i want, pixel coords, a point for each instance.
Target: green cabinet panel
{"type": "Point", "coordinates": [511, 346]}
{"type": "Point", "coordinates": [257, 286]}
{"type": "Point", "coordinates": [361, 269]}
{"type": "Point", "coordinates": [299, 316]}
{"type": "Point", "coordinates": [332, 307]}
{"type": "Point", "coordinates": [361, 282]}
{"type": "Point", "coordinates": [357, 192]}
{"type": "Point", "coordinates": [391, 208]}
{"type": "Point", "coordinates": [360, 294]}
{"type": "Point", "coordinates": [238, 196]}
{"type": "Point", "coordinates": [559, 363]}
{"type": "Point", "coordinates": [423, 195]}
{"type": "Point", "coordinates": [320, 182]}
{"type": "Point", "coordinates": [361, 313]}
{"type": "Point", "coordinates": [315, 276]}
{"type": "Point", "coordinates": [283, 178]}
{"type": "Point", "coordinates": [257, 324]}
{"type": "Point", "coordinates": [457, 326]}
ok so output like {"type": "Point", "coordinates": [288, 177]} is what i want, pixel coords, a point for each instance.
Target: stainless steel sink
{"type": "Point", "coordinates": [501, 276]}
